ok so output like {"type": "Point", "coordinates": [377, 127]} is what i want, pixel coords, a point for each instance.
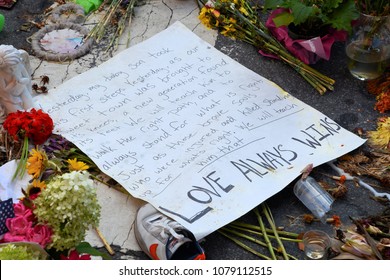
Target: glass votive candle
{"type": "Point", "coordinates": [316, 244]}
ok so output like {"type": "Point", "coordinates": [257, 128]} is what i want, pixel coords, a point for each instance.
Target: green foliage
{"type": "Point", "coordinates": [86, 248]}
{"type": "Point", "coordinates": [342, 16]}
{"type": "Point", "coordinates": [315, 13]}
{"type": "Point", "coordinates": [22, 251]}
{"type": "Point", "coordinates": [302, 13]}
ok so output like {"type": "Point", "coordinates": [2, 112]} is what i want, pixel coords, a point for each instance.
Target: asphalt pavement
{"type": "Point", "coordinates": [349, 104]}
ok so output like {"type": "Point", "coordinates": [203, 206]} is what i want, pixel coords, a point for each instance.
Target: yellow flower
{"type": "Point", "coordinates": [381, 137]}
{"type": "Point", "coordinates": [36, 163]}
{"type": "Point", "coordinates": [75, 165]}
{"type": "Point", "coordinates": [38, 184]}
{"type": "Point", "coordinates": [206, 16]}
{"type": "Point", "coordinates": [229, 30]}
{"type": "Point", "coordinates": [244, 11]}
{"type": "Point", "coordinates": [35, 187]}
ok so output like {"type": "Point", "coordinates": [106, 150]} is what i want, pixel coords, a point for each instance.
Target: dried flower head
{"type": "Point", "coordinates": [381, 137]}
{"type": "Point", "coordinates": [357, 245]}
{"type": "Point", "coordinates": [308, 218]}
{"type": "Point", "coordinates": [381, 88]}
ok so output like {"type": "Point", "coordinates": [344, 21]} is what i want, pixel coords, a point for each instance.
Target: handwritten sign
{"type": "Point", "coordinates": [190, 130]}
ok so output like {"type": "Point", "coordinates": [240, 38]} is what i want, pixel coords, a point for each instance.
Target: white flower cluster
{"type": "Point", "coordinates": [69, 206]}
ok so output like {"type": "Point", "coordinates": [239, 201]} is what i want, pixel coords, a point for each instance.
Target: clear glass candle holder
{"type": "Point", "coordinates": [316, 244]}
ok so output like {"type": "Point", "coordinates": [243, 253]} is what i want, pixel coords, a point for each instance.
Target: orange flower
{"type": "Point", "coordinates": [36, 163]}
{"type": "Point", "coordinates": [343, 178]}
{"type": "Point", "coordinates": [336, 221]}
{"type": "Point", "coordinates": [383, 102]}
{"type": "Point", "coordinates": [381, 88]}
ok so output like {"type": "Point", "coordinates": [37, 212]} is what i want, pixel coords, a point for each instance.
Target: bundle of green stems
{"type": "Point", "coordinates": [118, 14]}
{"type": "Point", "coordinates": [239, 19]}
{"type": "Point", "coordinates": [259, 234]}
{"type": "Point", "coordinates": [374, 7]}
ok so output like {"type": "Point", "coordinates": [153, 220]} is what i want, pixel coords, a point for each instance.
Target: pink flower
{"type": "Point", "coordinates": [8, 237]}
{"type": "Point", "coordinates": [34, 196]}
{"type": "Point", "coordinates": [21, 210]}
{"type": "Point", "coordinates": [40, 234]}
{"type": "Point", "coordinates": [19, 225]}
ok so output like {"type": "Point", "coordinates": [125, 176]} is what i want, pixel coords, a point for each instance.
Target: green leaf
{"type": "Point", "coordinates": [337, 13]}
{"type": "Point", "coordinates": [343, 15]}
{"type": "Point", "coordinates": [283, 19]}
{"type": "Point", "coordinates": [301, 12]}
{"type": "Point", "coordinates": [86, 248]}
{"type": "Point", "coordinates": [329, 5]}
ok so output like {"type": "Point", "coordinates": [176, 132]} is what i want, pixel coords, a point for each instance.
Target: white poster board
{"type": "Point", "coordinates": [188, 129]}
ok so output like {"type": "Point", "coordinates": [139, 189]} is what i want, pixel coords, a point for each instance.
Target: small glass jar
{"type": "Point", "coordinates": [316, 245]}
{"type": "Point", "coordinates": [368, 47]}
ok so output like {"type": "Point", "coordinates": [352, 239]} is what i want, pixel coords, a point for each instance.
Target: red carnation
{"type": "Point", "coordinates": [24, 125]}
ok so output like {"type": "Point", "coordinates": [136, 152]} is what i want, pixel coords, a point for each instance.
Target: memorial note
{"type": "Point", "coordinates": [188, 129]}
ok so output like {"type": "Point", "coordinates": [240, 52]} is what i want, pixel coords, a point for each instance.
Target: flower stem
{"type": "Point", "coordinates": [257, 228]}
{"type": "Point", "coordinates": [21, 167]}
{"type": "Point", "coordinates": [268, 215]}
{"type": "Point", "coordinates": [108, 247]}
{"type": "Point", "coordinates": [241, 244]}
{"type": "Point", "coordinates": [261, 234]}
{"type": "Point", "coordinates": [250, 238]}
{"type": "Point", "coordinates": [240, 21]}
{"type": "Point", "coordinates": [268, 242]}
{"type": "Point", "coordinates": [119, 188]}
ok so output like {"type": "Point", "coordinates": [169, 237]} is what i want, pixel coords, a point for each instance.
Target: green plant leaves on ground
{"type": "Point", "coordinates": [336, 13]}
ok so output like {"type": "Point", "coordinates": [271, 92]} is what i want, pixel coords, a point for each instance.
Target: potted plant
{"type": "Point", "coordinates": [308, 28]}
{"type": "Point", "coordinates": [309, 17]}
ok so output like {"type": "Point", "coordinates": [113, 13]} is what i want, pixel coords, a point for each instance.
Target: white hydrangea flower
{"type": "Point", "coordinates": [73, 196]}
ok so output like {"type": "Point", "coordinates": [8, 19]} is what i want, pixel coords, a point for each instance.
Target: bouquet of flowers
{"type": "Point", "coordinates": [60, 202]}
{"type": "Point", "coordinates": [24, 125]}
{"type": "Point", "coordinates": [239, 20]}
{"type": "Point", "coordinates": [56, 215]}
